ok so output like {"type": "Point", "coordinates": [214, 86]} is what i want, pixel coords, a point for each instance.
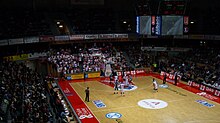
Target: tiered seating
{"type": "Point", "coordinates": [95, 21]}
{"type": "Point", "coordinates": [21, 24]}
{"type": "Point", "coordinates": [201, 65]}
{"type": "Point", "coordinates": [22, 94]}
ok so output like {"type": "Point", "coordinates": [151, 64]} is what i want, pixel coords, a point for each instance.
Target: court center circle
{"type": "Point", "coordinates": [152, 104]}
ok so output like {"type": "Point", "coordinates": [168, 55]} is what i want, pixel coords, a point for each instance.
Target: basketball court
{"type": "Point", "coordinates": [172, 104]}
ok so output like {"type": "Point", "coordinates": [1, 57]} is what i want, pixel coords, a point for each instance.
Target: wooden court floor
{"type": "Point", "coordinates": [182, 106]}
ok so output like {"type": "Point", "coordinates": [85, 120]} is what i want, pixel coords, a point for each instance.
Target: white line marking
{"type": "Point", "coordinates": [202, 121]}
{"type": "Point", "coordinates": [84, 102]}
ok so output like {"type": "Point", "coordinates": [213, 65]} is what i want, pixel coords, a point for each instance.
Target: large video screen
{"type": "Point", "coordinates": [145, 25]}
{"type": "Point", "coordinates": [172, 25]}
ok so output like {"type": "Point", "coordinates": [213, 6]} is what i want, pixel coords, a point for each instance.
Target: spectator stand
{"type": "Point", "coordinates": [61, 105]}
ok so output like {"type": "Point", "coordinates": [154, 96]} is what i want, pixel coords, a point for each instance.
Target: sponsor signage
{"type": "Point", "coordinates": [217, 93]}
{"type": "Point", "coordinates": [106, 36]}
{"type": "Point", "coordinates": [92, 36]}
{"type": "Point", "coordinates": [186, 20]}
{"type": "Point", "coordinates": [16, 41]}
{"type": "Point", "coordinates": [152, 104]}
{"type": "Point", "coordinates": [170, 77]}
{"type": "Point", "coordinates": [204, 88]}
{"type": "Point", "coordinates": [99, 104]}
{"type": "Point", "coordinates": [203, 102]}
{"type": "Point", "coordinates": [113, 115]}
{"type": "Point", "coordinates": [163, 86]}
{"type": "Point", "coordinates": [208, 96]}
{"type": "Point", "coordinates": [67, 92]}
{"type": "Point", "coordinates": [77, 76]}
{"type": "Point", "coordinates": [140, 71]}
{"type": "Point", "coordinates": [46, 38]}
{"type": "Point", "coordinates": [129, 88]}
{"type": "Point", "coordinates": [120, 35]}
{"type": "Point", "coordinates": [196, 36]}
{"type": "Point", "coordinates": [210, 90]}
{"type": "Point", "coordinates": [77, 37]}
{"type": "Point", "coordinates": [158, 25]}
{"type": "Point", "coordinates": [94, 75]}
{"type": "Point", "coordinates": [17, 57]}
{"type": "Point", "coordinates": [83, 113]}
{"type": "Point", "coordinates": [62, 38]}
{"type": "Point", "coordinates": [31, 39]}
{"type": "Point", "coordinates": [3, 42]}
{"type": "Point", "coordinates": [196, 85]}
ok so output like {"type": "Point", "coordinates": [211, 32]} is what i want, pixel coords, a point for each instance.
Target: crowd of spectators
{"type": "Point", "coordinates": [139, 58]}
{"type": "Point", "coordinates": [22, 94]}
{"type": "Point", "coordinates": [87, 59]}
{"type": "Point", "coordinates": [200, 65]}
{"type": "Point", "coordinates": [58, 103]}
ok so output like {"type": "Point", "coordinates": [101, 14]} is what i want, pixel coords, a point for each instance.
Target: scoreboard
{"type": "Point", "coordinates": [172, 7]}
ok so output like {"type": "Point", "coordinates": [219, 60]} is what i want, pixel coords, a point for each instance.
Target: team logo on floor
{"type": "Point", "coordinates": [152, 104]}
{"type": "Point", "coordinates": [203, 102]}
{"type": "Point", "coordinates": [163, 86]}
{"type": "Point", "coordinates": [113, 115]}
{"type": "Point", "coordinates": [99, 104]}
{"type": "Point", "coordinates": [129, 88]}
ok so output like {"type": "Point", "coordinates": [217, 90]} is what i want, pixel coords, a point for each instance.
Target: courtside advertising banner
{"type": "Point", "coordinates": [77, 76]}
{"type": "Point", "coordinates": [46, 38]}
{"type": "Point", "coordinates": [94, 75]}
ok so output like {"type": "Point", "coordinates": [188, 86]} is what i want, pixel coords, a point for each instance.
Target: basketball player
{"type": "Point", "coordinates": [175, 79]}
{"type": "Point", "coordinates": [116, 87]}
{"type": "Point", "coordinates": [164, 79]}
{"type": "Point", "coordinates": [122, 90]}
{"type": "Point", "coordinates": [126, 81]}
{"type": "Point", "coordinates": [155, 85]}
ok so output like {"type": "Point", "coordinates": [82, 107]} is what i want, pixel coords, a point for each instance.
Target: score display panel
{"type": "Point", "coordinates": [162, 25]}
{"type": "Point", "coordinates": [172, 7]}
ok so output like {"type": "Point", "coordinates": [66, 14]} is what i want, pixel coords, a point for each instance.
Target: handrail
{"type": "Point", "coordinates": [68, 103]}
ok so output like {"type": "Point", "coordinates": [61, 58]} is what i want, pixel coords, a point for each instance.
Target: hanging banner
{"type": "Point", "coordinates": [16, 41]}
{"type": "Point", "coordinates": [31, 40]}
{"type": "Point", "coordinates": [92, 36]}
{"type": "Point", "coordinates": [77, 37]}
{"type": "Point", "coordinates": [120, 35]}
{"type": "Point", "coordinates": [106, 36]}
{"type": "Point", "coordinates": [3, 42]}
{"type": "Point", "coordinates": [62, 38]}
{"type": "Point", "coordinates": [46, 38]}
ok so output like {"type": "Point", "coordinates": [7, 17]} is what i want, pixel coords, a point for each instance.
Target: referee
{"type": "Point", "coordinates": [87, 94]}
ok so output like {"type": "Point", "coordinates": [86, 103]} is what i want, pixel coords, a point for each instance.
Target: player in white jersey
{"type": "Point", "coordinates": [122, 90]}
{"type": "Point", "coordinates": [126, 81]}
{"type": "Point", "coordinates": [155, 85]}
